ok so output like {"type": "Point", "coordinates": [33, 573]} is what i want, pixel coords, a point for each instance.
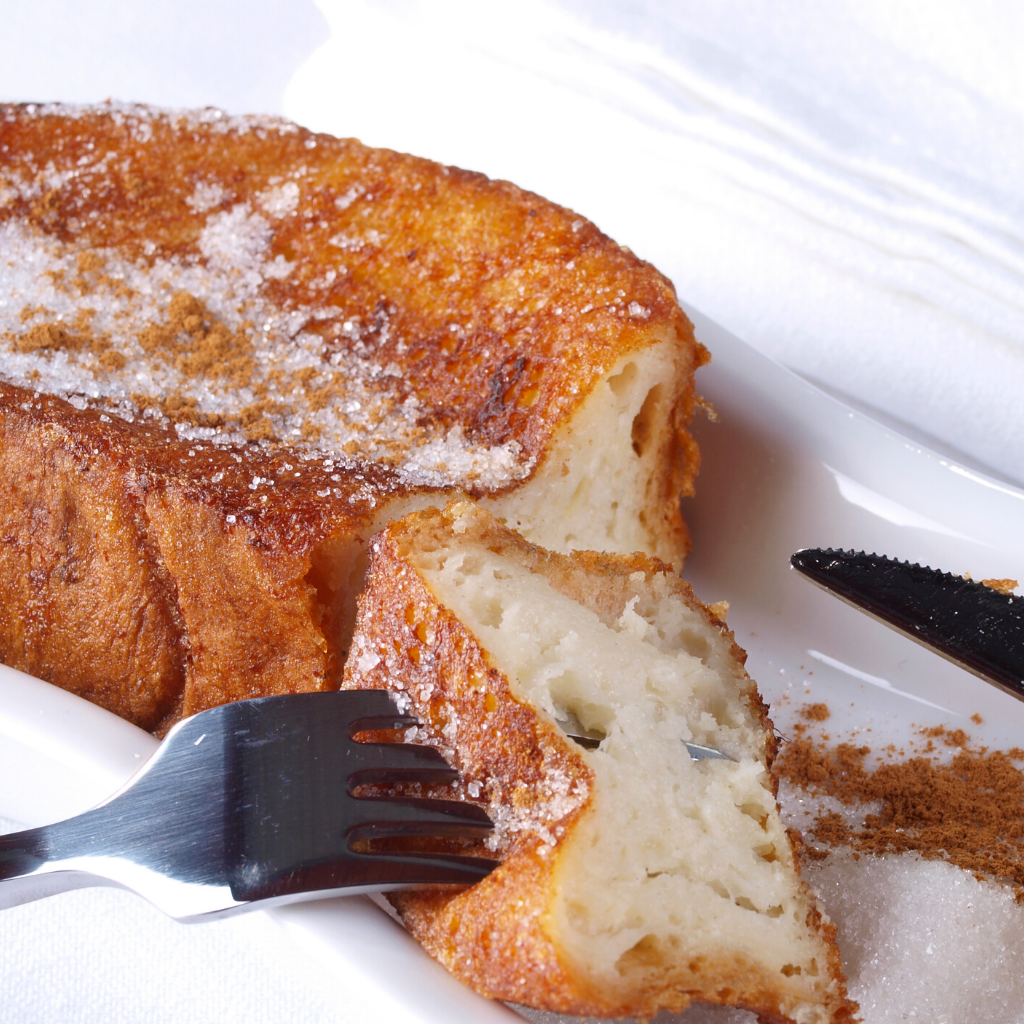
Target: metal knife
{"type": "Point", "coordinates": [971, 624]}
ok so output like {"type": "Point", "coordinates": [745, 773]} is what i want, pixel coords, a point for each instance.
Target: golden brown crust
{"type": "Point", "coordinates": [86, 600]}
{"type": "Point", "coordinates": [496, 936]}
{"type": "Point", "coordinates": [131, 580]}
{"type": "Point", "coordinates": [507, 748]}
{"type": "Point", "coordinates": [498, 309]}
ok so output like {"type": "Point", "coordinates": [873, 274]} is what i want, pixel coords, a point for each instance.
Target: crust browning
{"type": "Point", "coordinates": [130, 580]}
{"type": "Point", "coordinates": [477, 295]}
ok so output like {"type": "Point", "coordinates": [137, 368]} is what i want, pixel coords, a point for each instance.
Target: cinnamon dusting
{"type": "Point", "coordinates": [180, 408]}
{"type": "Point", "coordinates": [968, 811]}
{"type": "Point", "coordinates": [199, 344]}
{"type": "Point", "coordinates": [49, 337]}
{"type": "Point", "coordinates": [72, 337]}
{"type": "Point", "coordinates": [816, 712]}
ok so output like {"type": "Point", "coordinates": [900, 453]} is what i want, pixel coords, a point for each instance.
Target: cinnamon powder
{"type": "Point", "coordinates": [968, 810]}
{"type": "Point", "coordinates": [815, 712]}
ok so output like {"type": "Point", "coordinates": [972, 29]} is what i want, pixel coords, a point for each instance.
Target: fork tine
{"type": "Point", "coordinates": [254, 801]}
{"type": "Point", "coordinates": [396, 720]}
{"type": "Point", "coordinates": [377, 818]}
{"type": "Point", "coordinates": [380, 871]}
{"type": "Point", "coordinates": [397, 762]}
{"type": "Point", "coordinates": [444, 869]}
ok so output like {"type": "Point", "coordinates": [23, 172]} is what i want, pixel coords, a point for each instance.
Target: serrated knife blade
{"type": "Point", "coordinates": [971, 624]}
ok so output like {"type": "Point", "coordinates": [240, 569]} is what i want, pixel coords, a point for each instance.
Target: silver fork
{"type": "Point", "coordinates": [252, 804]}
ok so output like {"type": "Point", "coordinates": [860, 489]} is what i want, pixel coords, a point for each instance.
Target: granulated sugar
{"type": "Point", "coordinates": [75, 323]}
{"type": "Point", "coordinates": [967, 808]}
{"type": "Point", "coordinates": [923, 940]}
{"type": "Point", "coordinates": [96, 325]}
{"type": "Point", "coordinates": [916, 854]}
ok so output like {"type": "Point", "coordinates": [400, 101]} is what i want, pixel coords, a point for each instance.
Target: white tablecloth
{"type": "Point", "coordinates": [841, 185]}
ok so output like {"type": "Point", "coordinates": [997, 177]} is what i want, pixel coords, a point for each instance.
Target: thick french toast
{"type": "Point", "coordinates": [231, 349]}
{"type": "Point", "coordinates": [634, 878]}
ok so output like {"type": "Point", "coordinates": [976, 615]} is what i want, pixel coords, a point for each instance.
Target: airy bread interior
{"type": "Point", "coordinates": [612, 477]}
{"type": "Point", "coordinates": [606, 484]}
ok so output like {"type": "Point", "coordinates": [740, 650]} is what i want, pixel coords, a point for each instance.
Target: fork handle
{"type": "Point", "coordinates": [25, 875]}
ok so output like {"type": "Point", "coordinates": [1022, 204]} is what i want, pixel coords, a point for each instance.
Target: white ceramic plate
{"type": "Point", "coordinates": [784, 467]}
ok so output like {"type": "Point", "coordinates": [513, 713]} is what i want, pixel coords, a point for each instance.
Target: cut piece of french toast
{"type": "Point", "coordinates": [634, 878]}
{"type": "Point", "coordinates": [231, 349]}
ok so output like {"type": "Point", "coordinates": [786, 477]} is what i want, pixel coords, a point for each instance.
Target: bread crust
{"type": "Point", "coordinates": [158, 557]}
{"type": "Point", "coordinates": [133, 582]}
{"type": "Point", "coordinates": [86, 599]}
{"type": "Point", "coordinates": [497, 936]}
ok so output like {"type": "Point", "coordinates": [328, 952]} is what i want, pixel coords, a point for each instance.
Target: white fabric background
{"type": "Point", "coordinates": [841, 185]}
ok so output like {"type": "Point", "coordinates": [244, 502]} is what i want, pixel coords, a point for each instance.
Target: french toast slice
{"type": "Point", "coordinates": [232, 349]}
{"type": "Point", "coordinates": [634, 878]}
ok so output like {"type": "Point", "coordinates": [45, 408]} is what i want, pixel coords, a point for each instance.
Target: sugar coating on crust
{"type": "Point", "coordinates": [251, 346]}
{"type": "Point", "coordinates": [243, 280]}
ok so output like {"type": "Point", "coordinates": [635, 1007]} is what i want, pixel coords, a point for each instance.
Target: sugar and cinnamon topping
{"type": "Point", "coordinates": [199, 347]}
{"type": "Point", "coordinates": [197, 329]}
{"type": "Point", "coordinates": [245, 282]}
{"type": "Point", "coordinates": [966, 809]}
